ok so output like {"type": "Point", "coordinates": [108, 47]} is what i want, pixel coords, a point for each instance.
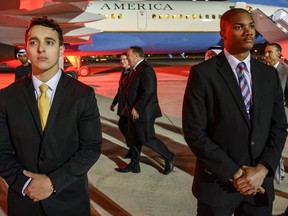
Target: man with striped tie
{"type": "Point", "coordinates": [235, 124]}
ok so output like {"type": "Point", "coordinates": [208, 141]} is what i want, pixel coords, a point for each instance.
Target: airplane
{"type": "Point", "coordinates": [111, 27]}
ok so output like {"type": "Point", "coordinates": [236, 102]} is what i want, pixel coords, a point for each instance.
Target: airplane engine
{"type": "Point", "coordinates": [7, 52]}
{"type": "Point", "coordinates": [8, 55]}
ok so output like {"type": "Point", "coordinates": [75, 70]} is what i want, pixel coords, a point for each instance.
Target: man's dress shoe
{"type": "Point", "coordinates": [169, 165]}
{"type": "Point", "coordinates": [134, 168]}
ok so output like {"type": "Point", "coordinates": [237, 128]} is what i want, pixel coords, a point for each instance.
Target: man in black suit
{"type": "Point", "coordinates": [142, 108]}
{"type": "Point", "coordinates": [237, 144]}
{"type": "Point", "coordinates": [46, 164]}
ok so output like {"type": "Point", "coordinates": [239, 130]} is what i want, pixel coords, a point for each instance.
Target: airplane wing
{"type": "Point", "coordinates": [30, 5]}
{"type": "Point", "coordinates": [71, 17]}
{"type": "Point", "coordinates": [15, 16]}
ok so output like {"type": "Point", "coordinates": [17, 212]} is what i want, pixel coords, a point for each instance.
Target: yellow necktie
{"type": "Point", "coordinates": [43, 105]}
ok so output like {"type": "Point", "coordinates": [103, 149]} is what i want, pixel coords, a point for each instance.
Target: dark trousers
{"type": "Point", "coordinates": [123, 126]}
{"type": "Point", "coordinates": [243, 209]}
{"type": "Point", "coordinates": [143, 133]}
{"type": "Point", "coordinates": [31, 208]}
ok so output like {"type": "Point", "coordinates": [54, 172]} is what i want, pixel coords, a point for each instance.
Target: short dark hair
{"type": "Point", "coordinates": [276, 45]}
{"type": "Point", "coordinates": [45, 21]}
{"type": "Point", "coordinates": [230, 13]}
{"type": "Point", "coordinates": [138, 50]}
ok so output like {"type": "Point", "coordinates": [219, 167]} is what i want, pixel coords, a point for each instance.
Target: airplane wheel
{"type": "Point", "coordinates": [84, 71]}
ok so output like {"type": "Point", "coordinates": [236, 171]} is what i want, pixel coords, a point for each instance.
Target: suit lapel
{"type": "Point", "coordinates": [30, 96]}
{"type": "Point", "coordinates": [58, 99]}
{"type": "Point", "coordinates": [60, 93]}
{"type": "Point", "coordinates": [280, 71]}
{"type": "Point", "coordinates": [133, 75]}
{"type": "Point", "coordinates": [256, 88]}
{"type": "Point", "coordinates": [135, 71]}
{"type": "Point", "coordinates": [226, 72]}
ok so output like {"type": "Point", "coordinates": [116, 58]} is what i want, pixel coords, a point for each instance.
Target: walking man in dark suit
{"type": "Point", "coordinates": [236, 134]}
{"type": "Point", "coordinates": [45, 160]}
{"type": "Point", "coordinates": [142, 108]}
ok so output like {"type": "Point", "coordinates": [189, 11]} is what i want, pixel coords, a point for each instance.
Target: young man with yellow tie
{"type": "Point", "coordinates": [47, 147]}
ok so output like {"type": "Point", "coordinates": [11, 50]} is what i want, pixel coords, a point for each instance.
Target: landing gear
{"type": "Point", "coordinates": [76, 63]}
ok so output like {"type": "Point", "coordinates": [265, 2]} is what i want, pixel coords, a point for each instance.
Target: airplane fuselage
{"type": "Point", "coordinates": [111, 27]}
{"type": "Point", "coordinates": [170, 16]}
{"type": "Point", "coordinates": [159, 27]}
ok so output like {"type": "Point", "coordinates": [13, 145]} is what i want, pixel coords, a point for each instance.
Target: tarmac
{"type": "Point", "coordinates": [149, 193]}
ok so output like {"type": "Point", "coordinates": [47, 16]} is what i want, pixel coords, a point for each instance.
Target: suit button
{"type": "Point", "coordinates": [252, 143]}
{"type": "Point", "coordinates": [42, 159]}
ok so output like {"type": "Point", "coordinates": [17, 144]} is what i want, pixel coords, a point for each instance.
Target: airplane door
{"type": "Point", "coordinates": [142, 20]}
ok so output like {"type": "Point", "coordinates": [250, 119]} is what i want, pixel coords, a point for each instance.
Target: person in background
{"type": "Point", "coordinates": [50, 132]}
{"type": "Point", "coordinates": [141, 109]}
{"type": "Point", "coordinates": [212, 51]}
{"type": "Point", "coordinates": [235, 124]}
{"type": "Point", "coordinates": [120, 100]}
{"type": "Point", "coordinates": [25, 68]}
{"type": "Point", "coordinates": [273, 54]}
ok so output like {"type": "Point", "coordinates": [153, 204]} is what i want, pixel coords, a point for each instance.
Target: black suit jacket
{"type": "Point", "coordinates": [283, 74]}
{"type": "Point", "coordinates": [65, 151]}
{"type": "Point", "coordinates": [120, 97]}
{"type": "Point", "coordinates": [22, 71]}
{"type": "Point", "coordinates": [141, 93]}
{"type": "Point", "coordinates": [217, 129]}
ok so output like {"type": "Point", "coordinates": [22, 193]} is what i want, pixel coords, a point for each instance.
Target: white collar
{"type": "Point", "coordinates": [52, 83]}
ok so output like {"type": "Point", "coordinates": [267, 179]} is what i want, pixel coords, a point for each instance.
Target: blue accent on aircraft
{"type": "Point", "coordinates": [164, 43]}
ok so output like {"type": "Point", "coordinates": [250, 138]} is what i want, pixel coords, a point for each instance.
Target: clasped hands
{"type": "Point", "coordinates": [248, 180]}
{"type": "Point", "coordinates": [40, 186]}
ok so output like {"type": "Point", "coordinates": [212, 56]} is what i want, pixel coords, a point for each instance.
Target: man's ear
{"type": "Point", "coordinates": [61, 50]}
{"type": "Point", "coordinates": [25, 47]}
{"type": "Point", "coordinates": [279, 54]}
{"type": "Point", "coordinates": [222, 34]}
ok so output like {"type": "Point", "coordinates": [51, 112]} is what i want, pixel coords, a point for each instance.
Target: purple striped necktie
{"type": "Point", "coordinates": [244, 87]}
